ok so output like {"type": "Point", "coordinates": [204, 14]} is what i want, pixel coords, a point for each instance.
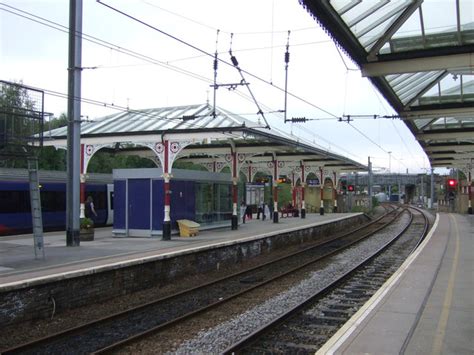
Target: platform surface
{"type": "Point", "coordinates": [18, 263]}
{"type": "Point", "coordinates": [427, 307]}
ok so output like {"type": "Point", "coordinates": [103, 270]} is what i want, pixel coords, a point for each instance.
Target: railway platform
{"type": "Point", "coordinates": [19, 266]}
{"type": "Point", "coordinates": [427, 306]}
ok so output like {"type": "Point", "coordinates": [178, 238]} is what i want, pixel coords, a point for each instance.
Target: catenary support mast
{"type": "Point", "coordinates": [74, 123]}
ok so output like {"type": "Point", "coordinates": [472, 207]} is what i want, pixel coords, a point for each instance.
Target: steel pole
{"type": "Point", "coordinates": [469, 186]}
{"type": "Point", "coordinates": [369, 184]}
{"type": "Point", "coordinates": [74, 124]}
{"type": "Point", "coordinates": [432, 193]}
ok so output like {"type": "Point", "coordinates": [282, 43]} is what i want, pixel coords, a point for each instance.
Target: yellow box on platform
{"type": "Point", "coordinates": [188, 228]}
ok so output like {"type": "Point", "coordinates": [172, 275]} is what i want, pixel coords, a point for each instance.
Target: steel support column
{"type": "Point", "coordinates": [469, 186]}
{"type": "Point", "coordinates": [432, 189]}
{"type": "Point", "coordinates": [321, 184]}
{"type": "Point", "coordinates": [303, 207]}
{"type": "Point", "coordinates": [293, 189]}
{"type": "Point", "coordinates": [275, 190]}
{"type": "Point", "coordinates": [74, 124]}
{"type": "Point", "coordinates": [334, 185]}
{"type": "Point", "coordinates": [369, 183]}
{"type": "Point", "coordinates": [167, 193]}
{"type": "Point", "coordinates": [83, 183]}
{"type": "Point", "coordinates": [234, 221]}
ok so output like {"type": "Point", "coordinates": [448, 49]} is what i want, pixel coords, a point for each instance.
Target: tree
{"type": "Point", "coordinates": [105, 162]}
{"type": "Point", "coordinates": [17, 110]}
{"type": "Point", "coordinates": [56, 122]}
{"type": "Point", "coordinates": [19, 121]}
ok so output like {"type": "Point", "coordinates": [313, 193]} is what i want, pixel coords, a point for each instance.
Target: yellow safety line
{"type": "Point", "coordinates": [336, 341]}
{"type": "Point", "coordinates": [448, 297]}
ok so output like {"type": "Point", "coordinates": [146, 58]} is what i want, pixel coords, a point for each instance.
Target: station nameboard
{"type": "Point", "coordinates": [312, 182]}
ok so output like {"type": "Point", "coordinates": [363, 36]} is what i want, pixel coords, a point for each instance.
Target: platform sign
{"type": "Point", "coordinates": [313, 182]}
{"type": "Point", "coordinates": [254, 194]}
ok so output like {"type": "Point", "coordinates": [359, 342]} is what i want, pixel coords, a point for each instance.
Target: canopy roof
{"type": "Point", "coordinates": [209, 131]}
{"type": "Point", "coordinates": [419, 54]}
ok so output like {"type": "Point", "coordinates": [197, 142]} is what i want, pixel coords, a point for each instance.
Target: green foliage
{"type": "Point", "coordinates": [188, 166]}
{"type": "Point", "coordinates": [18, 121]}
{"type": "Point", "coordinates": [284, 195]}
{"type": "Point", "coordinates": [360, 209]}
{"type": "Point", "coordinates": [50, 158]}
{"type": "Point", "coordinates": [86, 223]}
{"type": "Point", "coordinates": [56, 122]}
{"type": "Point", "coordinates": [104, 162]}
{"type": "Point", "coordinates": [375, 202]}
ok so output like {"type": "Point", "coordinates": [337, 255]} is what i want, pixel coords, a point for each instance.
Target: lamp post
{"type": "Point", "coordinates": [389, 162]}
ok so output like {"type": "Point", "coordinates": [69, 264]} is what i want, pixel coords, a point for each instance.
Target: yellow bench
{"type": "Point", "coordinates": [188, 228]}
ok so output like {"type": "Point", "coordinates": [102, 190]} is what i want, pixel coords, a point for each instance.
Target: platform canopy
{"type": "Point", "coordinates": [207, 132]}
{"type": "Point", "coordinates": [419, 54]}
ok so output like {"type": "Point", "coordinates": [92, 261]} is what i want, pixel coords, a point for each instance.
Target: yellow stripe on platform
{"type": "Point", "coordinates": [448, 297]}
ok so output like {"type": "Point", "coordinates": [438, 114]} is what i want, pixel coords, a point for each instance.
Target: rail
{"type": "Point", "coordinates": [117, 330]}
{"type": "Point", "coordinates": [258, 336]}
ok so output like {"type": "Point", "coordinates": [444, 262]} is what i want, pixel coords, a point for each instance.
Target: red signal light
{"type": "Point", "coordinates": [452, 182]}
{"type": "Point", "coordinates": [350, 188]}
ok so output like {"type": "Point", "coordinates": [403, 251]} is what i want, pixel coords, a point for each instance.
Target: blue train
{"type": "Point", "coordinates": [15, 208]}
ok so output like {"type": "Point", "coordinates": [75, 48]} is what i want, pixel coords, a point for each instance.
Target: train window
{"type": "Point", "coordinates": [111, 194]}
{"type": "Point", "coordinates": [53, 201]}
{"type": "Point", "coordinates": [14, 201]}
{"type": "Point", "coordinates": [99, 198]}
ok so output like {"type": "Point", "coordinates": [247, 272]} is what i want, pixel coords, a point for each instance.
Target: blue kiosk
{"type": "Point", "coordinates": [199, 196]}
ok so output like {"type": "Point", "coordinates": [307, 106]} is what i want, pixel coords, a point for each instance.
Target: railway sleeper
{"type": "Point", "coordinates": [357, 299]}
{"type": "Point", "coordinates": [329, 321]}
{"type": "Point", "coordinates": [251, 279]}
{"type": "Point", "coordinates": [300, 333]}
{"type": "Point", "coordinates": [336, 305]}
{"type": "Point", "coordinates": [297, 339]}
{"type": "Point", "coordinates": [352, 292]}
{"type": "Point", "coordinates": [368, 284]}
{"type": "Point", "coordinates": [337, 313]}
{"type": "Point", "coordinates": [290, 348]}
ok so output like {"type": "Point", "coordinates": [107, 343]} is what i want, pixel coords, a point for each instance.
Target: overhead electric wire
{"type": "Point", "coordinates": [403, 141]}
{"type": "Point", "coordinates": [393, 124]}
{"type": "Point", "coordinates": [148, 116]}
{"type": "Point", "coordinates": [343, 61]}
{"type": "Point", "coordinates": [308, 131]}
{"type": "Point", "coordinates": [375, 143]}
{"type": "Point", "coordinates": [103, 43]}
{"type": "Point", "coordinates": [250, 50]}
{"type": "Point", "coordinates": [223, 31]}
{"type": "Point", "coordinates": [208, 54]}
{"type": "Point", "coordinates": [100, 42]}
{"type": "Point", "coordinates": [140, 56]}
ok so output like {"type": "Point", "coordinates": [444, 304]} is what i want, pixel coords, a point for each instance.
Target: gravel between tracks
{"type": "Point", "coordinates": [27, 331]}
{"type": "Point", "coordinates": [215, 340]}
{"type": "Point", "coordinates": [16, 334]}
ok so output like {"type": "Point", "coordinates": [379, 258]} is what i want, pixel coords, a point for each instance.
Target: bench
{"type": "Point", "coordinates": [188, 228]}
{"type": "Point", "coordinates": [289, 212]}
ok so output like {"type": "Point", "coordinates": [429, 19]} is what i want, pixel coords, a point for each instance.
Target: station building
{"type": "Point", "coordinates": [220, 141]}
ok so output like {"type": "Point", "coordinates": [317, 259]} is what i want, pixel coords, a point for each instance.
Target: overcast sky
{"type": "Point", "coordinates": [160, 71]}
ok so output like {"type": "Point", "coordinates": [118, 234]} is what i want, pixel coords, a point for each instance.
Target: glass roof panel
{"type": "Point", "coordinates": [416, 86]}
{"type": "Point", "coordinates": [447, 123]}
{"type": "Point", "coordinates": [369, 20]}
{"type": "Point", "coordinates": [422, 122]}
{"type": "Point", "coordinates": [442, 95]}
{"type": "Point", "coordinates": [452, 89]}
{"type": "Point", "coordinates": [439, 16]}
{"type": "Point", "coordinates": [409, 85]}
{"type": "Point", "coordinates": [436, 24]}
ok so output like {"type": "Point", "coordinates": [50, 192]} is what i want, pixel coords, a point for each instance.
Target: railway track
{"type": "Point", "coordinates": [107, 334]}
{"type": "Point", "coordinates": [307, 326]}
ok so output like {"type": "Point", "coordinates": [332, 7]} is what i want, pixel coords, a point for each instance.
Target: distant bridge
{"type": "Point", "coordinates": [387, 179]}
